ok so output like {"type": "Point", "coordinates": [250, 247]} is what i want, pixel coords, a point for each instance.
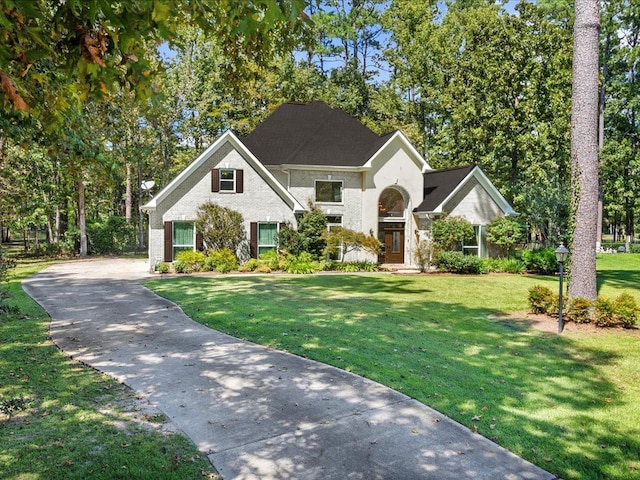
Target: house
{"type": "Point", "coordinates": [313, 154]}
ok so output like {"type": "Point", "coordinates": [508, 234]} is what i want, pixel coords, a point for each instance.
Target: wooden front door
{"type": "Point", "coordinates": [394, 245]}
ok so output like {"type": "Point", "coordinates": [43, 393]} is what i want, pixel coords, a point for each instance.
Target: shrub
{"type": "Point", "coordinates": [222, 261]}
{"type": "Point", "coordinates": [114, 235]}
{"type": "Point", "coordinates": [542, 261]}
{"type": "Point", "coordinates": [188, 261]}
{"type": "Point", "coordinates": [251, 265]}
{"type": "Point", "coordinates": [505, 232]}
{"type": "Point", "coordinates": [449, 233]}
{"type": "Point", "coordinates": [506, 265]}
{"type": "Point", "coordinates": [263, 268]}
{"type": "Point", "coordinates": [623, 311]}
{"type": "Point", "coordinates": [309, 236]}
{"type": "Point", "coordinates": [541, 299]}
{"type": "Point", "coordinates": [162, 267]}
{"type": "Point", "coordinates": [351, 241]}
{"type": "Point", "coordinates": [220, 227]}
{"type": "Point", "coordinates": [6, 264]}
{"type": "Point", "coordinates": [580, 310]}
{"type": "Point", "coordinates": [352, 266]}
{"type": "Point", "coordinates": [301, 264]}
{"type": "Point", "coordinates": [423, 253]}
{"type": "Point", "coordinates": [273, 260]}
{"type": "Point", "coordinates": [457, 262]}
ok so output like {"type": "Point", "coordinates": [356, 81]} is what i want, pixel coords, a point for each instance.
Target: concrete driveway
{"type": "Point", "coordinates": [255, 412]}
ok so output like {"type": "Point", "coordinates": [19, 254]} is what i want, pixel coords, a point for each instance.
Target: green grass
{"type": "Point", "coordinates": [79, 424]}
{"type": "Point", "coordinates": [570, 403]}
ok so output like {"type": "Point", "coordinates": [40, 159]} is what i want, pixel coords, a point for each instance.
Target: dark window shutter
{"type": "Point", "coordinates": [253, 239]}
{"type": "Point", "coordinates": [199, 241]}
{"type": "Point", "coordinates": [215, 180]}
{"type": "Point", "coordinates": [168, 241]}
{"type": "Point", "coordinates": [239, 181]}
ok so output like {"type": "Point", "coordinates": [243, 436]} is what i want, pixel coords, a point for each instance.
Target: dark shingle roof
{"type": "Point", "coordinates": [439, 184]}
{"type": "Point", "coordinates": [312, 134]}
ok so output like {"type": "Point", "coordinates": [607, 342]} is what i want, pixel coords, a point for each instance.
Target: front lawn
{"type": "Point", "coordinates": [78, 423]}
{"type": "Point", "coordinates": [570, 403]}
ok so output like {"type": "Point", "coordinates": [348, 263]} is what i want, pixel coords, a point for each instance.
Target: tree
{"type": "Point", "coordinates": [351, 241]}
{"type": "Point", "coordinates": [220, 227]}
{"type": "Point", "coordinates": [505, 232]}
{"type": "Point", "coordinates": [584, 149]}
{"type": "Point", "coordinates": [309, 237]}
{"type": "Point", "coordinates": [449, 233]}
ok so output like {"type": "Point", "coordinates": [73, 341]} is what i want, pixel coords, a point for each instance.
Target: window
{"type": "Point", "coordinates": [227, 180]}
{"type": "Point", "coordinates": [328, 191]}
{"type": "Point", "coordinates": [267, 237]}
{"type": "Point", "coordinates": [334, 221]}
{"type": "Point", "coordinates": [474, 246]}
{"type": "Point", "coordinates": [183, 237]}
{"type": "Point", "coordinates": [391, 204]}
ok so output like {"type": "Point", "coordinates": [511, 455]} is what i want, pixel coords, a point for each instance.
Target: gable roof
{"type": "Point", "coordinates": [313, 134]}
{"type": "Point", "coordinates": [441, 185]}
{"type": "Point", "coordinates": [227, 137]}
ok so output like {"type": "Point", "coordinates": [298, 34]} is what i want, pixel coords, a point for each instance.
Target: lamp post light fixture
{"type": "Point", "coordinates": [561, 256]}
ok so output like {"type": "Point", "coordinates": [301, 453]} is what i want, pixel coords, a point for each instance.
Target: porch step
{"type": "Point", "coordinates": [400, 269]}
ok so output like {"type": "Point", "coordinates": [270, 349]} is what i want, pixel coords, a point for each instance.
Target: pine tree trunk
{"type": "Point", "coordinates": [82, 220]}
{"type": "Point", "coordinates": [584, 149]}
{"type": "Point", "coordinates": [128, 199]}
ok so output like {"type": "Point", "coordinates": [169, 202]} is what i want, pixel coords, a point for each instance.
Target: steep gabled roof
{"type": "Point", "coordinates": [313, 134]}
{"type": "Point", "coordinates": [230, 138]}
{"type": "Point", "coordinates": [441, 185]}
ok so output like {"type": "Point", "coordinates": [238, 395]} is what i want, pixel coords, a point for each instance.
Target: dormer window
{"type": "Point", "coordinates": [229, 180]}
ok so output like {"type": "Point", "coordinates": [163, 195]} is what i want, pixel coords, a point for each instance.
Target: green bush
{"type": "Point", "coordinates": [449, 233]}
{"type": "Point", "coordinates": [542, 261]}
{"type": "Point", "coordinates": [6, 264]}
{"type": "Point", "coordinates": [580, 310]}
{"type": "Point", "coordinates": [623, 311]}
{"type": "Point", "coordinates": [273, 260]}
{"type": "Point", "coordinates": [506, 232]}
{"type": "Point", "coordinates": [423, 253]}
{"type": "Point", "coordinates": [114, 235]}
{"type": "Point", "coordinates": [352, 266]}
{"type": "Point", "coordinates": [162, 267]}
{"type": "Point", "coordinates": [458, 262]}
{"type": "Point", "coordinates": [251, 265]}
{"type": "Point", "coordinates": [503, 265]}
{"type": "Point", "coordinates": [223, 260]}
{"type": "Point", "coordinates": [541, 299]}
{"type": "Point", "coordinates": [188, 261]}
{"type": "Point", "coordinates": [302, 264]}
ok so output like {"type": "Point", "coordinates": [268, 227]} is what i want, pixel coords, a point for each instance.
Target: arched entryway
{"type": "Point", "coordinates": [391, 225]}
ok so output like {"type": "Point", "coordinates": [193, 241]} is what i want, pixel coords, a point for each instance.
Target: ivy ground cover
{"type": "Point", "coordinates": [569, 403]}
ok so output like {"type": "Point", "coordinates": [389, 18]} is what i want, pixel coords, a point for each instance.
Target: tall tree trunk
{"type": "Point", "coordinates": [602, 104]}
{"type": "Point", "coordinates": [584, 148]}
{"type": "Point", "coordinates": [128, 199]}
{"type": "Point", "coordinates": [82, 219]}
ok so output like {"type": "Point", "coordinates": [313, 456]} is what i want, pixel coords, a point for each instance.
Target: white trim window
{"type": "Point", "coordinates": [227, 180]}
{"type": "Point", "coordinates": [334, 221]}
{"type": "Point", "coordinates": [184, 237]}
{"type": "Point", "coordinates": [329, 191]}
{"type": "Point", "coordinates": [267, 237]}
{"type": "Point", "coordinates": [476, 245]}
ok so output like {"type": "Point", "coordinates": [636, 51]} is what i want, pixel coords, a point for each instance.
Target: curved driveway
{"type": "Point", "coordinates": [255, 412]}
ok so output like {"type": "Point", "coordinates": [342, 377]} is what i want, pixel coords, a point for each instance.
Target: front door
{"type": "Point", "coordinates": [393, 245]}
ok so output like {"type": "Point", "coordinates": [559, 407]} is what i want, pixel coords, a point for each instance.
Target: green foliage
{"type": "Point", "coordinates": [251, 265]}
{"type": "Point", "coordinates": [541, 299]}
{"type": "Point", "coordinates": [222, 261]}
{"type": "Point", "coordinates": [350, 241]}
{"type": "Point", "coordinates": [302, 264]}
{"type": "Point", "coordinates": [220, 227]}
{"type": "Point", "coordinates": [580, 310]}
{"type": "Point", "coordinates": [423, 254]}
{"type": "Point", "coordinates": [458, 262]}
{"type": "Point", "coordinates": [506, 232]}
{"type": "Point", "coordinates": [6, 264]}
{"type": "Point", "coordinates": [273, 260]}
{"type": "Point", "coordinates": [188, 261]}
{"type": "Point", "coordinates": [623, 311]}
{"type": "Point", "coordinates": [114, 235]}
{"type": "Point", "coordinates": [162, 267]}
{"type": "Point", "coordinates": [542, 261]}
{"type": "Point", "coordinates": [503, 265]}
{"type": "Point", "coordinates": [352, 266]}
{"type": "Point", "coordinates": [450, 232]}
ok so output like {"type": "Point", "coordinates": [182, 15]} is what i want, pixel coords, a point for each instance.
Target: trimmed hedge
{"type": "Point", "coordinates": [458, 262]}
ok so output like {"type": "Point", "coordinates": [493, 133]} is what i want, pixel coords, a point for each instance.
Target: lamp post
{"type": "Point", "coordinates": [561, 256]}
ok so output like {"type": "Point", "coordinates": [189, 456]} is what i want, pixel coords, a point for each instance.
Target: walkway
{"type": "Point", "coordinates": [255, 412]}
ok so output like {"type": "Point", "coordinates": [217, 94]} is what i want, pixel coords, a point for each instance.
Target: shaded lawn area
{"type": "Point", "coordinates": [570, 403]}
{"type": "Point", "coordinates": [79, 424]}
